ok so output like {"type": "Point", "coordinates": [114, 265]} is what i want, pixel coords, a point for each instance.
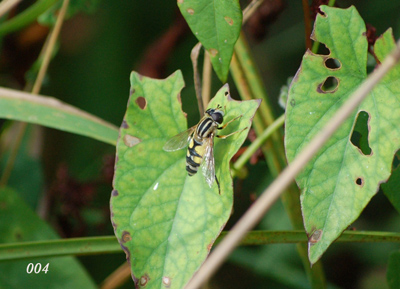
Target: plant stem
{"type": "Point", "coordinates": [26, 17]}
{"type": "Point", "coordinates": [307, 23]}
{"type": "Point", "coordinates": [272, 193]}
{"type": "Point", "coordinates": [47, 53]}
{"type": "Point", "coordinates": [110, 245]}
{"type": "Point", "coordinates": [206, 79]}
{"type": "Point", "coordinates": [242, 160]}
{"type": "Point", "coordinates": [248, 80]}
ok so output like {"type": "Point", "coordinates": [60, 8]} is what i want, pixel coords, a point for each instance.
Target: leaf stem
{"type": "Point", "coordinates": [272, 193]}
{"type": "Point", "coordinates": [248, 80]}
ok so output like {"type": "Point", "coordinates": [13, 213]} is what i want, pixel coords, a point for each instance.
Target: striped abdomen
{"type": "Point", "coordinates": [194, 156]}
{"type": "Point", "coordinates": [197, 147]}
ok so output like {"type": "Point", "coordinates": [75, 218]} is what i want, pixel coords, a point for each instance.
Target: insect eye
{"type": "Point", "coordinates": [218, 117]}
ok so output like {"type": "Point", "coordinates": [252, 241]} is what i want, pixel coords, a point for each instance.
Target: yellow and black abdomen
{"type": "Point", "coordinates": [194, 156]}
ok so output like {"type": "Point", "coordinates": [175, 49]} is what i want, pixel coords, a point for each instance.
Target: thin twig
{"type": "Point", "coordinates": [194, 56]}
{"type": "Point", "coordinates": [48, 50]}
{"type": "Point", "coordinates": [272, 193]}
{"type": "Point", "coordinates": [307, 24]}
{"type": "Point", "coordinates": [250, 9]}
{"type": "Point", "coordinates": [206, 86]}
{"type": "Point", "coordinates": [7, 5]}
{"type": "Point", "coordinates": [117, 278]}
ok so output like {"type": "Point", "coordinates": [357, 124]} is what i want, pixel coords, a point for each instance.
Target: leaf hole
{"type": "Point", "coordinates": [330, 85]}
{"type": "Point", "coordinates": [360, 182]}
{"type": "Point", "coordinates": [332, 63]}
{"type": "Point", "coordinates": [323, 50]}
{"type": "Point", "coordinates": [141, 102]}
{"type": "Point", "coordinates": [359, 136]}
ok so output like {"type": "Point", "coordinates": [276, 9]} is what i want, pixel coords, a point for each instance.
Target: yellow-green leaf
{"type": "Point", "coordinates": [166, 221]}
{"type": "Point", "coordinates": [342, 178]}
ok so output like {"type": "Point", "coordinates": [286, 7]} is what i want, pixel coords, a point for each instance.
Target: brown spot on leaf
{"type": "Point", "coordinates": [144, 279]}
{"type": "Point", "coordinates": [126, 237]}
{"type": "Point", "coordinates": [315, 237]}
{"type": "Point", "coordinates": [166, 281]}
{"type": "Point", "coordinates": [213, 51]}
{"type": "Point", "coordinates": [228, 20]}
{"type": "Point", "coordinates": [190, 11]}
{"type": "Point", "coordinates": [141, 102]}
{"type": "Point", "coordinates": [209, 247]}
{"type": "Point", "coordinates": [124, 124]}
{"type": "Point", "coordinates": [114, 193]}
{"type": "Point", "coordinates": [131, 141]}
{"type": "Point", "coordinates": [360, 181]}
{"type": "Point", "coordinates": [131, 91]}
{"type": "Point", "coordinates": [180, 1]}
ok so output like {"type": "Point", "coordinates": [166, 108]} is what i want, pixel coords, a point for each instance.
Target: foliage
{"type": "Point", "coordinates": [166, 221]}
{"type": "Point", "coordinates": [158, 212]}
{"type": "Point", "coordinates": [332, 199]}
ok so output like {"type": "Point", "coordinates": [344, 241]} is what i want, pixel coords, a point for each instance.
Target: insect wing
{"type": "Point", "coordinates": [179, 141]}
{"type": "Point", "coordinates": [208, 167]}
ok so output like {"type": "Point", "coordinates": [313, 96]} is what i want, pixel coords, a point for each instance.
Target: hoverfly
{"type": "Point", "coordinates": [201, 144]}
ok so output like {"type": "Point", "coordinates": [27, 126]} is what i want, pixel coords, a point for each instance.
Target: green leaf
{"type": "Point", "coordinates": [165, 220]}
{"type": "Point", "coordinates": [53, 113]}
{"type": "Point", "coordinates": [18, 224]}
{"type": "Point", "coordinates": [340, 180]}
{"type": "Point", "coordinates": [216, 24]}
{"type": "Point", "coordinates": [393, 276]}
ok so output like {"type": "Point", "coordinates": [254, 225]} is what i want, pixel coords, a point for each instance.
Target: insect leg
{"type": "Point", "coordinates": [225, 136]}
{"type": "Point", "coordinates": [224, 126]}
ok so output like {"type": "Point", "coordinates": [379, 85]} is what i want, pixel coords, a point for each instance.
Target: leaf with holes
{"type": "Point", "coordinates": [342, 178]}
{"type": "Point", "coordinates": [166, 221]}
{"type": "Point", "coordinates": [216, 24]}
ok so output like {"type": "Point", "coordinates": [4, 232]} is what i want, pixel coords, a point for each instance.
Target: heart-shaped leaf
{"type": "Point", "coordinates": [216, 24]}
{"type": "Point", "coordinates": [166, 221]}
{"type": "Point", "coordinates": [342, 178]}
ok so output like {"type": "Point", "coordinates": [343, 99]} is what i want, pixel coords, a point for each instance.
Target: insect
{"type": "Point", "coordinates": [201, 143]}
